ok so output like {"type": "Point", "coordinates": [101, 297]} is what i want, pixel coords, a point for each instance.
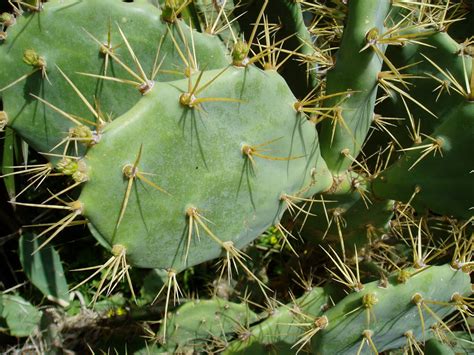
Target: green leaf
{"type": "Point", "coordinates": [44, 269]}
{"type": "Point", "coordinates": [21, 316]}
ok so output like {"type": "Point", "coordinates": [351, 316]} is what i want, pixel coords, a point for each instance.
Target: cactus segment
{"type": "Point", "coordinates": [440, 69]}
{"type": "Point", "coordinates": [347, 215]}
{"type": "Point", "coordinates": [436, 347]}
{"type": "Point", "coordinates": [435, 169]}
{"type": "Point", "coordinates": [196, 155]}
{"type": "Point", "coordinates": [206, 319]}
{"type": "Point", "coordinates": [283, 327]}
{"type": "Point", "coordinates": [451, 344]}
{"type": "Point", "coordinates": [397, 311]}
{"type": "Point", "coordinates": [44, 269]}
{"type": "Point", "coordinates": [346, 125]}
{"type": "Point", "coordinates": [85, 37]}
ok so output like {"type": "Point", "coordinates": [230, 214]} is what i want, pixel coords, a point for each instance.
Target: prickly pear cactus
{"type": "Point", "coordinates": [318, 151]}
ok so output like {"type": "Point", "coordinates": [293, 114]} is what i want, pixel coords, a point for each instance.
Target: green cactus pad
{"type": "Point", "coordinates": [392, 313]}
{"type": "Point", "coordinates": [198, 156]}
{"type": "Point", "coordinates": [444, 179]}
{"type": "Point", "coordinates": [40, 42]}
{"type": "Point", "coordinates": [350, 204]}
{"type": "Point", "coordinates": [454, 343]}
{"type": "Point", "coordinates": [356, 107]}
{"type": "Point", "coordinates": [282, 329]}
{"type": "Point", "coordinates": [205, 319]}
{"type": "Point", "coordinates": [439, 96]}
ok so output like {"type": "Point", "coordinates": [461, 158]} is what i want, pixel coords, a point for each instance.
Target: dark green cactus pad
{"type": "Point", "coordinates": [444, 179]}
{"type": "Point", "coordinates": [393, 311]}
{"type": "Point", "coordinates": [197, 156]}
{"type": "Point", "coordinates": [349, 210]}
{"type": "Point", "coordinates": [57, 35]}
{"type": "Point", "coordinates": [430, 87]}
{"type": "Point", "coordinates": [455, 343]}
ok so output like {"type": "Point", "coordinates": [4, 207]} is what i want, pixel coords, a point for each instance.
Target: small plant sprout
{"type": "Point", "coordinates": [116, 270]}
{"type": "Point", "coordinates": [369, 300]}
{"type": "Point", "coordinates": [241, 48]}
{"type": "Point", "coordinates": [72, 166]}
